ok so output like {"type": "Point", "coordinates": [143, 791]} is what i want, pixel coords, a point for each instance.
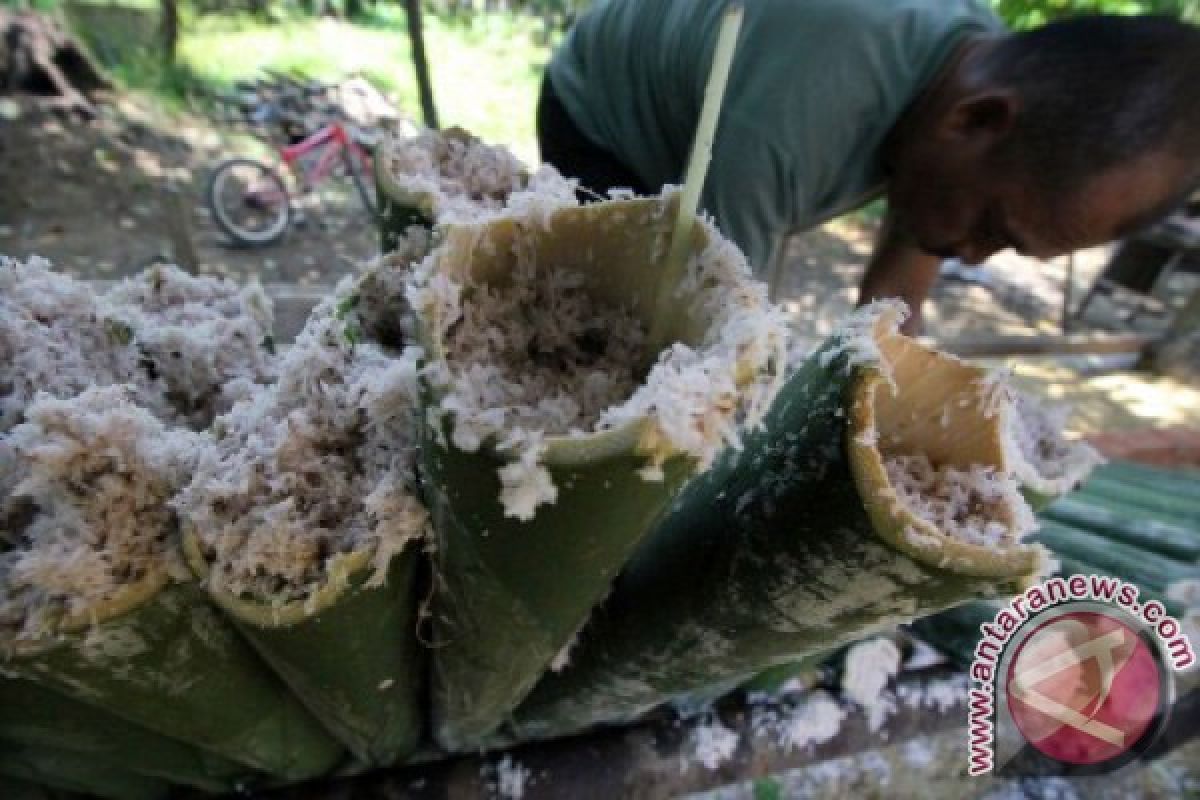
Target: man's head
{"type": "Point", "coordinates": [1052, 140]}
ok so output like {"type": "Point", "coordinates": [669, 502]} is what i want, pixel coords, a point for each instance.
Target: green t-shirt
{"type": "Point", "coordinates": [815, 87]}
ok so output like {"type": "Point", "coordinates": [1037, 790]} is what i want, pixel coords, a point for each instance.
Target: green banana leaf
{"type": "Point", "coordinates": [72, 772]}
{"type": "Point", "coordinates": [512, 595]}
{"type": "Point", "coordinates": [162, 657]}
{"type": "Point", "coordinates": [351, 655]}
{"type": "Point", "coordinates": [35, 716]}
{"type": "Point", "coordinates": [786, 548]}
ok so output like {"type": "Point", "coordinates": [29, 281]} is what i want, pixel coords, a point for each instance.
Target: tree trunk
{"type": "Point", "coordinates": [39, 57]}
{"type": "Point", "coordinates": [169, 29]}
{"type": "Point", "coordinates": [412, 10]}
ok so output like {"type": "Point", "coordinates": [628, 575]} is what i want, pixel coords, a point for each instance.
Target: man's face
{"type": "Point", "coordinates": [968, 206]}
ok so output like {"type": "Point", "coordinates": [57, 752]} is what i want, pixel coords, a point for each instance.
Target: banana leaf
{"type": "Point", "coordinates": [72, 772]}
{"type": "Point", "coordinates": [350, 653]}
{"type": "Point", "coordinates": [794, 545]}
{"type": "Point", "coordinates": [161, 656]}
{"type": "Point", "coordinates": [35, 716]}
{"type": "Point", "coordinates": [512, 595]}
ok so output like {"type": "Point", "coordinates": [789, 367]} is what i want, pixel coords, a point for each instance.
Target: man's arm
{"type": "Point", "coordinates": [898, 268]}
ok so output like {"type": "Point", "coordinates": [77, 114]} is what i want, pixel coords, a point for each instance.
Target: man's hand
{"type": "Point", "coordinates": [898, 268]}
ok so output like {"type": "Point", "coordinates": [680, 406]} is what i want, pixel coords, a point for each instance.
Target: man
{"type": "Point", "coordinates": [1046, 141]}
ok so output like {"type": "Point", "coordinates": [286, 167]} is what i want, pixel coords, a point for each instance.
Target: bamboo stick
{"type": "Point", "coordinates": [697, 169]}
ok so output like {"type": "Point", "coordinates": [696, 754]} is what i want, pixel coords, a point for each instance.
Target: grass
{"type": "Point", "coordinates": [486, 71]}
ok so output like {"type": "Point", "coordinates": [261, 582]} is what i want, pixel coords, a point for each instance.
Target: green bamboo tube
{"type": "Point", "coordinates": [1100, 500]}
{"type": "Point", "coordinates": [1184, 481]}
{"type": "Point", "coordinates": [1185, 508]}
{"type": "Point", "coordinates": [71, 772]}
{"type": "Point", "coordinates": [513, 594]}
{"type": "Point", "coordinates": [404, 204]}
{"type": "Point", "coordinates": [160, 656]}
{"type": "Point", "coordinates": [1176, 541]}
{"type": "Point", "coordinates": [31, 715]}
{"type": "Point", "coordinates": [794, 545]}
{"type": "Point", "coordinates": [349, 652]}
{"type": "Point", "coordinates": [1072, 566]}
{"type": "Point", "coordinates": [398, 212]}
{"type": "Point", "coordinates": [1149, 570]}
{"type": "Point", "coordinates": [774, 679]}
{"type": "Point", "coordinates": [956, 631]}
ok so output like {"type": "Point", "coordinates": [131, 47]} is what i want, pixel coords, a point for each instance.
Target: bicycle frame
{"type": "Point", "coordinates": [334, 134]}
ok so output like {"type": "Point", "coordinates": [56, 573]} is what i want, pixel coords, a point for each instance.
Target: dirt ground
{"type": "Point", "coordinates": [90, 197]}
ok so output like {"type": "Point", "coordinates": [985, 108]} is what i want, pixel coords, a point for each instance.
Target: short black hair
{"type": "Point", "coordinates": [1097, 90]}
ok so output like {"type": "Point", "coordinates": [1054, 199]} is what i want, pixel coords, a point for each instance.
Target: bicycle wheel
{"type": "Point", "coordinates": [364, 186]}
{"type": "Point", "coordinates": [249, 201]}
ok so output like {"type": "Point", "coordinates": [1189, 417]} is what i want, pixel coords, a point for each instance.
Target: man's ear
{"type": "Point", "coordinates": [985, 116]}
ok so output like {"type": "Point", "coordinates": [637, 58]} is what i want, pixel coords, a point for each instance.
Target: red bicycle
{"type": "Point", "coordinates": [249, 200]}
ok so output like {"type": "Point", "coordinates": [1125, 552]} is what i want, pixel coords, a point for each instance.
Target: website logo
{"type": "Point", "coordinates": [1075, 672]}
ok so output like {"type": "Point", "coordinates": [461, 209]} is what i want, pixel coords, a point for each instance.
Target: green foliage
{"type": "Point", "coordinates": [1023, 14]}
{"type": "Point", "coordinates": [486, 70]}
{"type": "Point", "coordinates": [767, 789]}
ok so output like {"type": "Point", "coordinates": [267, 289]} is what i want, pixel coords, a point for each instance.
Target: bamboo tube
{"type": "Point", "coordinates": [513, 592]}
{"type": "Point", "coordinates": [31, 715]}
{"type": "Point", "coordinates": [797, 543]}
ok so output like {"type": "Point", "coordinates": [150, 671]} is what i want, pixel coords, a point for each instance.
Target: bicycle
{"type": "Point", "coordinates": [250, 202]}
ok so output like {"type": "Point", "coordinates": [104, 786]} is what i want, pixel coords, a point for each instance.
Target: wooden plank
{"type": "Point", "coordinates": [651, 759]}
{"type": "Point", "coordinates": [1053, 344]}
